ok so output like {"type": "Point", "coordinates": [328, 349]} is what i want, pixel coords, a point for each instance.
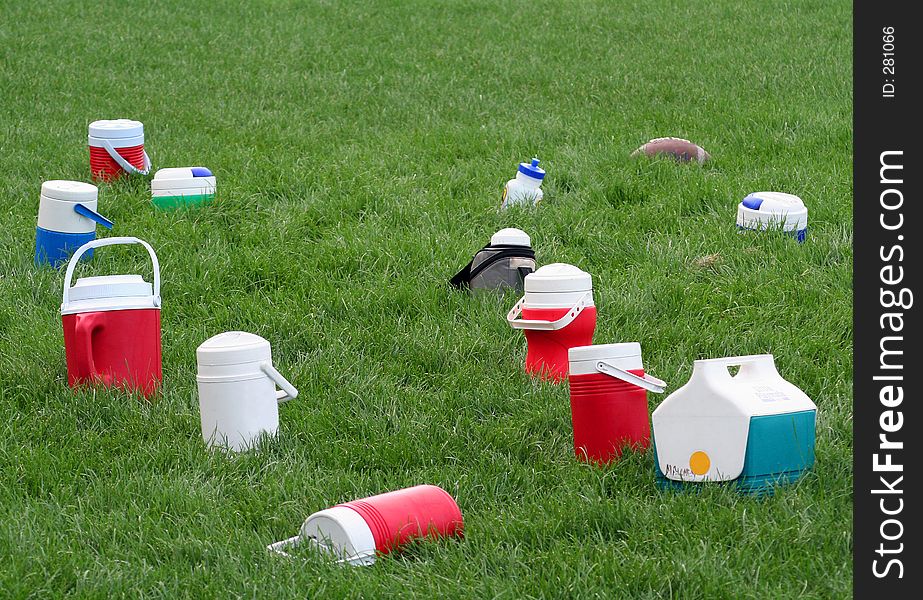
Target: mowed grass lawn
{"type": "Point", "coordinates": [360, 150]}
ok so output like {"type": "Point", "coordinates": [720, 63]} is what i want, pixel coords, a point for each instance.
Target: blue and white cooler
{"type": "Point", "coordinates": [183, 186]}
{"type": "Point", "coordinates": [67, 219]}
{"type": "Point", "coordinates": [764, 210]}
{"type": "Point", "coordinates": [753, 428]}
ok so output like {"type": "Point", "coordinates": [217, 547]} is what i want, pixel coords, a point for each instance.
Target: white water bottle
{"type": "Point", "coordinates": [526, 187]}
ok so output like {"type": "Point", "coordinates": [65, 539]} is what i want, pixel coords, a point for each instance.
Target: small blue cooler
{"type": "Point", "coordinates": [67, 219]}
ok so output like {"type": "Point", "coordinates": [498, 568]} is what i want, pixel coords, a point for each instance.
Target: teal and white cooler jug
{"type": "Point", "coordinates": [763, 210]}
{"type": "Point", "coordinates": [67, 219]}
{"type": "Point", "coordinates": [185, 186]}
{"type": "Point", "coordinates": [753, 428]}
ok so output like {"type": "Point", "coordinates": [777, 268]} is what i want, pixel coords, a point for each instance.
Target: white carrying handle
{"type": "Point", "coordinates": [718, 367]}
{"type": "Point", "coordinates": [732, 361]}
{"type": "Point", "coordinates": [567, 319]}
{"type": "Point", "coordinates": [111, 241]}
{"type": "Point", "coordinates": [280, 547]}
{"type": "Point", "coordinates": [288, 391]}
{"type": "Point", "coordinates": [648, 382]}
{"type": "Point", "coordinates": [130, 168]}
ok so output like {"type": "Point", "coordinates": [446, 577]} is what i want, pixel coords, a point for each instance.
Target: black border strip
{"type": "Point", "coordinates": [886, 271]}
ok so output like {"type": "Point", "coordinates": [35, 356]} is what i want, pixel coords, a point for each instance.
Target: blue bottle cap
{"type": "Point", "coordinates": [532, 170]}
{"type": "Point", "coordinates": [752, 202]}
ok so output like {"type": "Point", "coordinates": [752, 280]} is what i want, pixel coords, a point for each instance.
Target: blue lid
{"type": "Point", "coordinates": [752, 202]}
{"type": "Point", "coordinates": [532, 170]}
{"type": "Point", "coordinates": [201, 172]}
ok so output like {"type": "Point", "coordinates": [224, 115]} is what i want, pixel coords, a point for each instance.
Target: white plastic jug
{"type": "Point", "coordinates": [238, 400]}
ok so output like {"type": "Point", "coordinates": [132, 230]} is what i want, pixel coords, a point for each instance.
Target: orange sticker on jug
{"type": "Point", "coordinates": [699, 463]}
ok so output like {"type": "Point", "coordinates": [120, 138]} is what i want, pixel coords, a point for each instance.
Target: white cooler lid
{"type": "Point", "coordinates": [182, 177]}
{"type": "Point", "coordinates": [769, 207]}
{"type": "Point", "coordinates": [558, 277]}
{"type": "Point", "coordinates": [583, 359]}
{"type": "Point", "coordinates": [510, 237]}
{"type": "Point", "coordinates": [233, 347]}
{"type": "Point", "coordinates": [110, 286]}
{"type": "Point", "coordinates": [71, 191]}
{"type": "Point", "coordinates": [605, 351]}
{"type": "Point", "coordinates": [109, 292]}
{"type": "Point", "coordinates": [342, 532]}
{"type": "Point", "coordinates": [116, 128]}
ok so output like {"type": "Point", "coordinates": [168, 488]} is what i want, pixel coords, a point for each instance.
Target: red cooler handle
{"type": "Point", "coordinates": [84, 327]}
{"type": "Point", "coordinates": [648, 382]}
{"type": "Point", "coordinates": [516, 323]}
{"type": "Point", "coordinates": [130, 168]}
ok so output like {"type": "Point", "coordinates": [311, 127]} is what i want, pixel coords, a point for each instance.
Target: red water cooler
{"type": "Point", "coordinates": [608, 400]}
{"type": "Point", "coordinates": [112, 325]}
{"type": "Point", "coordinates": [358, 531]}
{"type": "Point", "coordinates": [117, 148]}
{"type": "Point", "coordinates": [557, 313]}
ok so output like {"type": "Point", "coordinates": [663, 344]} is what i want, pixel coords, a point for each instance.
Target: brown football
{"type": "Point", "coordinates": [676, 148]}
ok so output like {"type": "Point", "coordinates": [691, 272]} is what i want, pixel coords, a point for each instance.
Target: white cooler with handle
{"type": "Point", "coordinates": [238, 400]}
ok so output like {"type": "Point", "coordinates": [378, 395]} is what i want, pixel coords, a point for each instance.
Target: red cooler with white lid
{"type": "Point", "coordinates": [356, 532]}
{"type": "Point", "coordinates": [608, 400]}
{"type": "Point", "coordinates": [116, 148]}
{"type": "Point", "coordinates": [112, 325]}
{"type": "Point", "coordinates": [557, 313]}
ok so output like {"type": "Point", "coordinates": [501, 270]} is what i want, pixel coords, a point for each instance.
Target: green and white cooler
{"type": "Point", "coordinates": [185, 186]}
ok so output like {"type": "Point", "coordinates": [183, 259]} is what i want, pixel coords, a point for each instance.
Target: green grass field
{"type": "Point", "coordinates": [360, 150]}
